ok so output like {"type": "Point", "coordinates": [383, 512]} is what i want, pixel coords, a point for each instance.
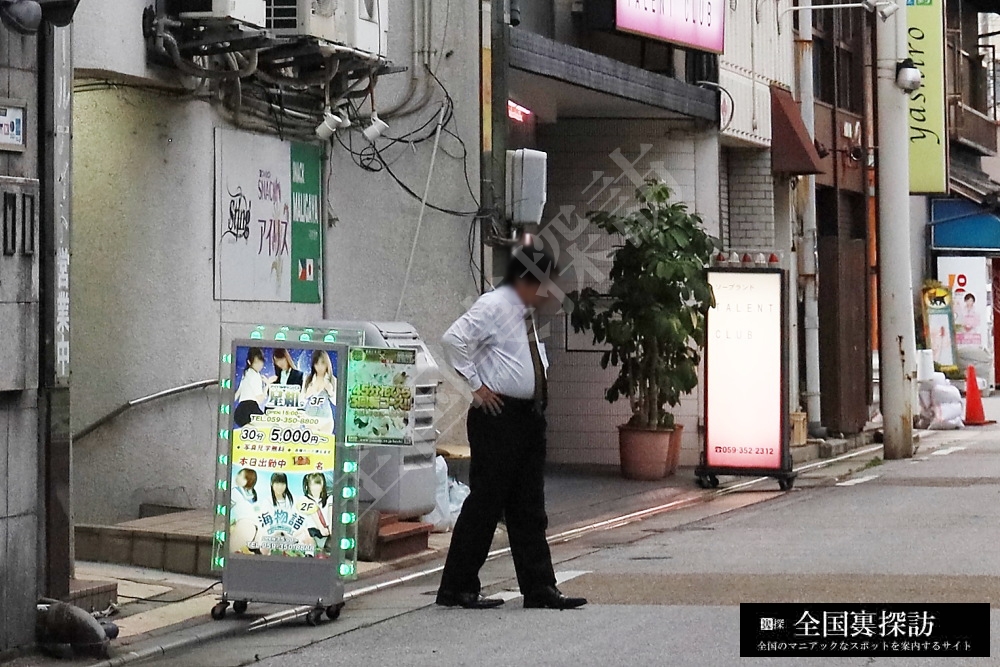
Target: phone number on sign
{"type": "Point", "coordinates": [758, 451]}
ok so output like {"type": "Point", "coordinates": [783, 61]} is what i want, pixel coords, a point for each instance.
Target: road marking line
{"type": "Point", "coordinates": [859, 480]}
{"type": "Point", "coordinates": [561, 578]}
{"type": "Point", "coordinates": [945, 452]}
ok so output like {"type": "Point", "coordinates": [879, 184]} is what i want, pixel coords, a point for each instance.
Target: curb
{"type": "Point", "coordinates": [196, 635]}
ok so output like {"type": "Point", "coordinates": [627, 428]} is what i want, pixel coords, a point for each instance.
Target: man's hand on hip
{"type": "Point", "coordinates": [486, 399]}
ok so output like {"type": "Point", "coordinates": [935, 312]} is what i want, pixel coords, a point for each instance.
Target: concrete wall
{"type": "Point", "coordinates": [145, 318]}
{"type": "Point", "coordinates": [594, 164]}
{"type": "Point", "coordinates": [19, 462]}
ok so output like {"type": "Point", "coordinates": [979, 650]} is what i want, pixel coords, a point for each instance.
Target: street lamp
{"type": "Point", "coordinates": [26, 16]}
{"type": "Point", "coordinates": [884, 8]}
{"type": "Point", "coordinates": [22, 16]}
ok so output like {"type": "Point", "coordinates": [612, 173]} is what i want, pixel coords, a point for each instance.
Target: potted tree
{"type": "Point", "coordinates": [653, 322]}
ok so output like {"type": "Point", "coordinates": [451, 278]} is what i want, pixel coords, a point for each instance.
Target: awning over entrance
{"type": "Point", "coordinates": [961, 225]}
{"type": "Point", "coordinates": [792, 151]}
{"type": "Point", "coordinates": [556, 79]}
{"type": "Point", "coordinates": [970, 182]}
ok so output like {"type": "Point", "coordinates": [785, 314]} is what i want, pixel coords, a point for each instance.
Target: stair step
{"type": "Point", "coordinates": [387, 519]}
{"type": "Point", "coordinates": [403, 529]}
{"type": "Point", "coordinates": [401, 539]}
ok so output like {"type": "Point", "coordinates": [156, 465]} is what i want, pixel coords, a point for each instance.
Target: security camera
{"type": "Point", "coordinates": [22, 16]}
{"type": "Point", "coordinates": [375, 130]}
{"type": "Point", "coordinates": [331, 123]}
{"type": "Point", "coordinates": [886, 10]}
{"type": "Point", "coordinates": [908, 77]}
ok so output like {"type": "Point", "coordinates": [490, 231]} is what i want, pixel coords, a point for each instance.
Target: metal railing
{"type": "Point", "coordinates": [87, 430]}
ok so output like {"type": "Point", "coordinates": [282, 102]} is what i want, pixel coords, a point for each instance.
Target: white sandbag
{"type": "Point", "coordinates": [440, 517]}
{"type": "Point", "coordinates": [948, 417]}
{"type": "Point", "coordinates": [948, 393]}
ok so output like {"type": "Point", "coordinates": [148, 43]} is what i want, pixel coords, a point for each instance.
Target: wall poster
{"type": "Point", "coordinates": [380, 397]}
{"type": "Point", "coordinates": [268, 205]}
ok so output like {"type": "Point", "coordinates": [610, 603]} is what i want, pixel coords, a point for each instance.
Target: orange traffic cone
{"type": "Point", "coordinates": [974, 415]}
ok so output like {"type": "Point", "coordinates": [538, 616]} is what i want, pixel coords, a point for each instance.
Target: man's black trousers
{"type": "Point", "coordinates": [506, 477]}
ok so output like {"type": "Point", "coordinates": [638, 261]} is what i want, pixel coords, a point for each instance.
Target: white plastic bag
{"type": "Point", "coordinates": [457, 493]}
{"type": "Point", "coordinates": [440, 517]}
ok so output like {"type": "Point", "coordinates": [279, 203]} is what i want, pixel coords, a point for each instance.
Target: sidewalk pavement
{"type": "Point", "coordinates": [159, 612]}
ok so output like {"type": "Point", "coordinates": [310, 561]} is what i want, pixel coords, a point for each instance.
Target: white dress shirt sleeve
{"type": "Point", "coordinates": [466, 337]}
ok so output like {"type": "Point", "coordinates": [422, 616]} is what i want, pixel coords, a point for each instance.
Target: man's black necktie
{"type": "Point", "coordinates": [541, 384]}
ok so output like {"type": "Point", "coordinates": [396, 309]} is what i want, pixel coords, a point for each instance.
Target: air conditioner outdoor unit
{"type": "Point", "coordinates": [359, 24]}
{"type": "Point", "coordinates": [251, 12]}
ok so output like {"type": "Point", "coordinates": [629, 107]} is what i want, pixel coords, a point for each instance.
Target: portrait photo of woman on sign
{"type": "Point", "coordinates": [243, 516]}
{"type": "Point", "coordinates": [320, 392]}
{"type": "Point", "coordinates": [251, 395]}
{"type": "Point", "coordinates": [317, 507]}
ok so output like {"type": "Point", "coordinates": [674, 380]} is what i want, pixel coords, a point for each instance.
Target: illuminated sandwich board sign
{"type": "Point", "coordinates": [746, 408]}
{"type": "Point", "coordinates": [286, 513]}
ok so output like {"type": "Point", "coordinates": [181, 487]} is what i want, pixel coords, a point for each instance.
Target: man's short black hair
{"type": "Point", "coordinates": [530, 262]}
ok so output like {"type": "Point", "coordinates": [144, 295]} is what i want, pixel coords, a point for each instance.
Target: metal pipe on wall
{"type": "Point", "coordinates": [808, 249]}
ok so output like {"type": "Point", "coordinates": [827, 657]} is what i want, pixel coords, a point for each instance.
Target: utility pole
{"type": "Point", "coordinates": [897, 341]}
{"type": "Point", "coordinates": [808, 250]}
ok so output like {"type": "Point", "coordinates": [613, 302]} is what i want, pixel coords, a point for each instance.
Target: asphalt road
{"type": "Point", "coordinates": [667, 590]}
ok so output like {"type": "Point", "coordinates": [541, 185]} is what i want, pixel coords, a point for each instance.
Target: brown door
{"type": "Point", "coordinates": [843, 333]}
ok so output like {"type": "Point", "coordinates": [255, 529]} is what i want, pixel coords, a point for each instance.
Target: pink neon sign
{"type": "Point", "coordinates": [697, 24]}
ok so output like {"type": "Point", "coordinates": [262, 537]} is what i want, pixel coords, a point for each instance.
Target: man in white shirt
{"type": "Point", "coordinates": [495, 347]}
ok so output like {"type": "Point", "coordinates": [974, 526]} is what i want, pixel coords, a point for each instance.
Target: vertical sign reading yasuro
{"type": "Point", "coordinates": [745, 372]}
{"type": "Point", "coordinates": [928, 137]}
{"type": "Point", "coordinates": [380, 397]}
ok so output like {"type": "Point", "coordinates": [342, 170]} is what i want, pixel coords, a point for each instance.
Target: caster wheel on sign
{"type": "Point", "coordinates": [219, 611]}
{"type": "Point", "coordinates": [315, 616]}
{"type": "Point", "coordinates": [786, 484]}
{"type": "Point", "coordinates": [713, 481]}
{"type": "Point", "coordinates": [333, 612]}
{"type": "Point", "coordinates": [240, 607]}
{"type": "Point", "coordinates": [702, 482]}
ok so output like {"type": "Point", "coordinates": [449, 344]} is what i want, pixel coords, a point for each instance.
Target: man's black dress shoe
{"type": "Point", "coordinates": [550, 598]}
{"type": "Point", "coordinates": [467, 600]}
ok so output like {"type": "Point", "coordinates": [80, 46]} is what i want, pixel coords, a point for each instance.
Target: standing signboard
{"type": "Point", "coordinates": [746, 392]}
{"type": "Point", "coordinates": [286, 515]}
{"type": "Point", "coordinates": [970, 280]}
{"type": "Point", "coordinates": [939, 324]}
